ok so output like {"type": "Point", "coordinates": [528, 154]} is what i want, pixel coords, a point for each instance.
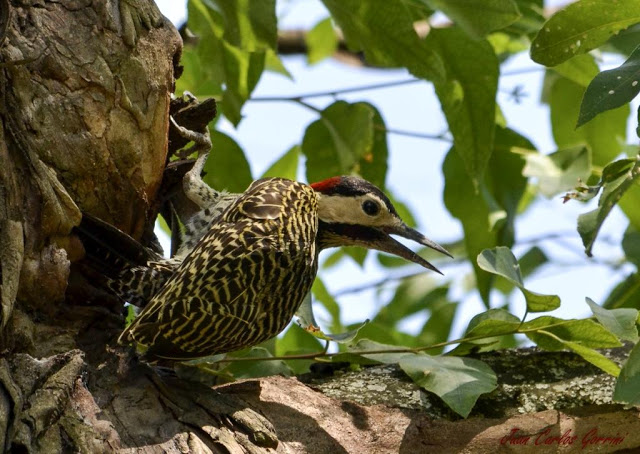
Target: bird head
{"type": "Point", "coordinates": [354, 212]}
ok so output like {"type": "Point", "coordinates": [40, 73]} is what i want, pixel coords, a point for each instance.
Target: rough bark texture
{"type": "Point", "coordinates": [84, 105]}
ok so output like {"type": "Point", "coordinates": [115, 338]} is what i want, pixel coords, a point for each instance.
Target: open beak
{"type": "Point", "coordinates": [386, 243]}
{"type": "Point", "coordinates": [379, 238]}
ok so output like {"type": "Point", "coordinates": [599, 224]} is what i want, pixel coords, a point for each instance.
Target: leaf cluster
{"type": "Point", "coordinates": [493, 175]}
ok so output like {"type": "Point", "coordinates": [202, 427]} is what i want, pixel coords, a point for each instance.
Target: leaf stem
{"type": "Point", "coordinates": [324, 354]}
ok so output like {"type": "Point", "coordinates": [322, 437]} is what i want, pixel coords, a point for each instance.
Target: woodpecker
{"type": "Point", "coordinates": [247, 275]}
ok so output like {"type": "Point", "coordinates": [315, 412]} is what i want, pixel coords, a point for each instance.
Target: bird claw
{"type": "Point", "coordinates": [201, 141]}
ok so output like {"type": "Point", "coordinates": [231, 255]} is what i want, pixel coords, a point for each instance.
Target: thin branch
{"type": "Point", "coordinates": [419, 135]}
{"type": "Point", "coordinates": [319, 94]}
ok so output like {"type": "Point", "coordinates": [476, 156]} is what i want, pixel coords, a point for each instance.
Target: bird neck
{"type": "Point", "coordinates": [338, 234]}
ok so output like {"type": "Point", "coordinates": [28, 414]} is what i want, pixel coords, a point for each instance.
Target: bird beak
{"type": "Point", "coordinates": [387, 244]}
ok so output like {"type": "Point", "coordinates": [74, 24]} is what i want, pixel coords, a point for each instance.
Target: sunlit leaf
{"type": "Point", "coordinates": [345, 141]}
{"type": "Point", "coordinates": [234, 40]}
{"type": "Point", "coordinates": [502, 262]}
{"type": "Point", "coordinates": [457, 381]}
{"type": "Point", "coordinates": [322, 41]}
{"type": "Point", "coordinates": [580, 69]}
{"type": "Point", "coordinates": [584, 332]}
{"type": "Point", "coordinates": [630, 204]}
{"type": "Point", "coordinates": [385, 32]}
{"type": "Point", "coordinates": [467, 90]}
{"type": "Point", "coordinates": [581, 27]}
{"type": "Point", "coordinates": [604, 135]}
{"type": "Point", "coordinates": [478, 17]}
{"type": "Point", "coordinates": [559, 171]}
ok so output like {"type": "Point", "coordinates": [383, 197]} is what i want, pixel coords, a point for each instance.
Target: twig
{"type": "Point", "coordinates": [320, 94]}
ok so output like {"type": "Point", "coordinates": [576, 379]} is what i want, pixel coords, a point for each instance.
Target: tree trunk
{"type": "Point", "coordinates": [84, 101]}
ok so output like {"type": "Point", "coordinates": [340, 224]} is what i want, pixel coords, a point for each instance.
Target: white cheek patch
{"type": "Point", "coordinates": [348, 210]}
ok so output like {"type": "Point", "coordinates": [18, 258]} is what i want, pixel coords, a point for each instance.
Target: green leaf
{"type": "Point", "coordinates": [604, 135]}
{"type": "Point", "coordinates": [625, 293]}
{"type": "Point", "coordinates": [614, 186]}
{"type": "Point", "coordinates": [333, 258]}
{"type": "Point", "coordinates": [411, 296]}
{"type": "Point", "coordinates": [439, 325]}
{"type": "Point", "coordinates": [457, 381]}
{"type": "Point", "coordinates": [628, 383]}
{"type": "Point", "coordinates": [227, 168]}
{"type": "Point", "coordinates": [494, 322]}
{"type": "Point", "coordinates": [580, 69]}
{"type": "Point", "coordinates": [624, 42]}
{"type": "Point", "coordinates": [630, 204]}
{"type": "Point", "coordinates": [384, 32]}
{"type": "Point", "coordinates": [467, 89]}
{"type": "Point", "coordinates": [286, 166]}
{"type": "Point", "coordinates": [322, 41]}
{"type": "Point", "coordinates": [322, 295]}
{"type": "Point", "coordinates": [621, 322]}
{"type": "Point", "coordinates": [585, 332]}
{"type": "Point", "coordinates": [503, 188]}
{"type": "Point", "coordinates": [502, 262]}
{"type": "Point", "coordinates": [529, 263]}
{"type": "Point", "coordinates": [297, 341]}
{"type": "Point", "coordinates": [631, 245]}
{"type": "Point", "coordinates": [307, 321]}
{"type": "Point", "coordinates": [252, 369]}
{"type": "Point", "coordinates": [594, 357]}
{"type": "Point", "coordinates": [478, 17]}
{"type": "Point", "coordinates": [343, 142]}
{"type": "Point", "coordinates": [559, 171]}
{"type": "Point", "coordinates": [365, 345]}
{"type": "Point", "coordinates": [234, 40]}
{"type": "Point", "coordinates": [611, 89]}
{"type": "Point", "coordinates": [379, 332]}
{"type": "Point", "coordinates": [581, 27]}
{"type": "Point", "coordinates": [532, 18]}
{"type": "Point", "coordinates": [372, 165]}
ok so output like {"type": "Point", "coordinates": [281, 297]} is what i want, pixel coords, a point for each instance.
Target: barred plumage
{"type": "Point", "coordinates": [254, 262]}
{"type": "Point", "coordinates": [242, 282]}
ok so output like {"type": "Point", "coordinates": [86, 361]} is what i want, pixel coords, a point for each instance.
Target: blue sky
{"type": "Point", "coordinates": [415, 176]}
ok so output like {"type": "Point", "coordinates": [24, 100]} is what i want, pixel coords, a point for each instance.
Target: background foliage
{"type": "Point", "coordinates": [492, 173]}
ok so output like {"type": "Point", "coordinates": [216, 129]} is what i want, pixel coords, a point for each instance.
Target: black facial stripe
{"type": "Point", "coordinates": [355, 231]}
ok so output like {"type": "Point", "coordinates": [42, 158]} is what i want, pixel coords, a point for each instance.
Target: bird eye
{"type": "Point", "coordinates": [370, 207]}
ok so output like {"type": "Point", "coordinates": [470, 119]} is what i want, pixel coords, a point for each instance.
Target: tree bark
{"type": "Point", "coordinates": [84, 110]}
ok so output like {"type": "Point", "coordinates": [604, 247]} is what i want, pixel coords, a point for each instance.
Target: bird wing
{"type": "Point", "coordinates": [216, 299]}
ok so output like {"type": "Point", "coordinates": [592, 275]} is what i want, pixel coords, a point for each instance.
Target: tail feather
{"type": "Point", "coordinates": [121, 264]}
{"type": "Point", "coordinates": [110, 248]}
